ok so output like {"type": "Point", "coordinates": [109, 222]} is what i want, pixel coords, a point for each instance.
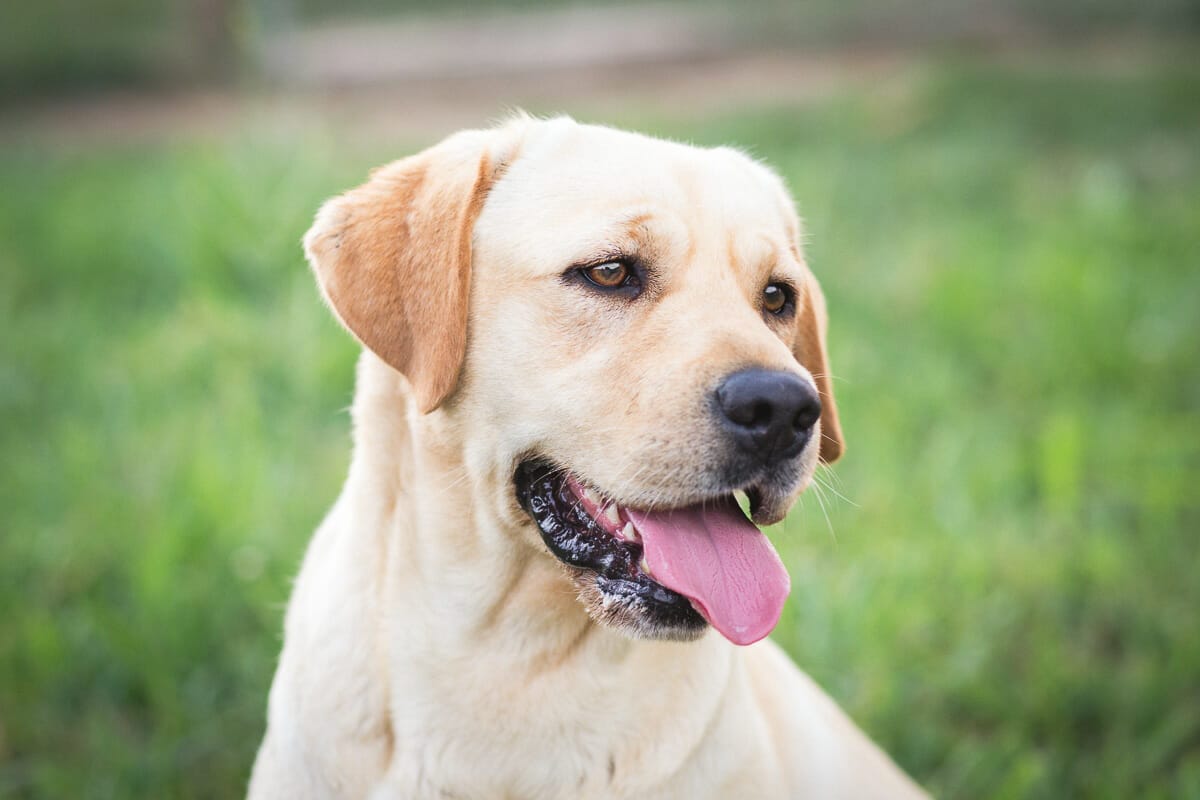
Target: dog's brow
{"type": "Point", "coordinates": [634, 224]}
{"type": "Point", "coordinates": [766, 257]}
{"type": "Point", "coordinates": [783, 260]}
{"type": "Point", "coordinates": [620, 235]}
{"type": "Point", "coordinates": [637, 219]}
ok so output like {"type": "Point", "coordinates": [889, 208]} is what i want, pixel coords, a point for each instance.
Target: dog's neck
{"type": "Point", "coordinates": [459, 600]}
{"type": "Point", "coordinates": [454, 552]}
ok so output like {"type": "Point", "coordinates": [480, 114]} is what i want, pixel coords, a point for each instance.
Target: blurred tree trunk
{"type": "Point", "coordinates": [211, 29]}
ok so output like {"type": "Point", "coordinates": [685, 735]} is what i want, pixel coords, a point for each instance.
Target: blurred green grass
{"type": "Point", "coordinates": [1006, 599]}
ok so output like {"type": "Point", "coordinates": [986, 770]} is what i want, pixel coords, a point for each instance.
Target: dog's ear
{"type": "Point", "coordinates": [809, 346]}
{"type": "Point", "coordinates": [393, 257]}
{"type": "Point", "coordinates": [810, 351]}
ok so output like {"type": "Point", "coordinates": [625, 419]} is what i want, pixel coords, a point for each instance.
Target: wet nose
{"type": "Point", "coordinates": [769, 414]}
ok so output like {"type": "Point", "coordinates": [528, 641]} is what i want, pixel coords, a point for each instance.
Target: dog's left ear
{"type": "Point", "coordinates": [393, 257]}
{"type": "Point", "coordinates": [810, 351]}
{"type": "Point", "coordinates": [809, 346]}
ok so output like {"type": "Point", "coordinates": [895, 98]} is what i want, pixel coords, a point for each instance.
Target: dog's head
{"type": "Point", "coordinates": [624, 331]}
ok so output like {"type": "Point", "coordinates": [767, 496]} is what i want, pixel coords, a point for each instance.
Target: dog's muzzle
{"type": "Point", "coordinates": [768, 414]}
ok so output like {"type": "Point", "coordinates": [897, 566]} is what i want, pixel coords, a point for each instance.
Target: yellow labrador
{"type": "Point", "coordinates": [580, 343]}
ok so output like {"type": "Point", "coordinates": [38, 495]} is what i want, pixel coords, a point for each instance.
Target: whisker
{"type": "Point", "coordinates": [824, 511]}
{"type": "Point", "coordinates": [817, 481]}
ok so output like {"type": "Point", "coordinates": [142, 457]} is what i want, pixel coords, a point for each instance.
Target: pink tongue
{"type": "Point", "coordinates": [720, 561]}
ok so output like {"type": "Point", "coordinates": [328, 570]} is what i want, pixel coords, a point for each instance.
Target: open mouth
{"type": "Point", "coordinates": [673, 570]}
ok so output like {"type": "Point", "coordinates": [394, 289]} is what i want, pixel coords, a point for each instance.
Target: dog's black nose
{"type": "Point", "coordinates": [768, 413]}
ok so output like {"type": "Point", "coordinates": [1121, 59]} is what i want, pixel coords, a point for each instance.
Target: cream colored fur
{"type": "Point", "coordinates": [433, 647]}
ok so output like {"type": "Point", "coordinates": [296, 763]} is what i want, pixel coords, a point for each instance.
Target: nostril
{"type": "Point", "coordinates": [806, 417]}
{"type": "Point", "coordinates": [763, 413]}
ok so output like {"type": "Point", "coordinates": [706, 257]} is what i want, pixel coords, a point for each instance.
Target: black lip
{"type": "Point", "coordinates": [578, 541]}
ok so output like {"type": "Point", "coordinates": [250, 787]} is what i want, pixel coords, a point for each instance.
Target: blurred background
{"type": "Point", "coordinates": [999, 581]}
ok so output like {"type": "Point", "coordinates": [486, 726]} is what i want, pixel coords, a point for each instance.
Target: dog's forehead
{"type": "Point", "coordinates": [573, 181]}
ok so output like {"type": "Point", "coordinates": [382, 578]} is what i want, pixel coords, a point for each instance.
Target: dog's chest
{"type": "Point", "coordinates": [480, 732]}
{"type": "Point", "coordinates": [501, 739]}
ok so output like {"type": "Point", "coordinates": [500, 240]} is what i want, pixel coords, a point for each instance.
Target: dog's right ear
{"type": "Point", "coordinates": [393, 257]}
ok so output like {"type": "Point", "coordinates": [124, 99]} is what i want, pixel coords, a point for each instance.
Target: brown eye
{"type": "Point", "coordinates": [775, 298]}
{"type": "Point", "coordinates": [611, 275]}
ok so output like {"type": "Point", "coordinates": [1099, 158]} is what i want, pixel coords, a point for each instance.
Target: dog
{"type": "Point", "coordinates": [584, 350]}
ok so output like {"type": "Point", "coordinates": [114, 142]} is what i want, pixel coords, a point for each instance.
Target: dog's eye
{"type": "Point", "coordinates": [611, 275]}
{"type": "Point", "coordinates": [776, 298]}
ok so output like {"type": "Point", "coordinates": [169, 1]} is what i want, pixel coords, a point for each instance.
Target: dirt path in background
{"type": "Point", "coordinates": [420, 78]}
{"type": "Point", "coordinates": [430, 106]}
